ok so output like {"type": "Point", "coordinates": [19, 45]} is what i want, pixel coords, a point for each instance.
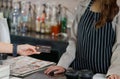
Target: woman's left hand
{"type": "Point", "coordinates": [113, 76]}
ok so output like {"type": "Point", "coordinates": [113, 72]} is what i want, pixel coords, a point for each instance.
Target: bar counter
{"type": "Point", "coordinates": [36, 75]}
{"type": "Point", "coordinates": [41, 75]}
{"type": "Point", "coordinates": [58, 44]}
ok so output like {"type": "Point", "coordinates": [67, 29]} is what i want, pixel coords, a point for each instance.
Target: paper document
{"type": "Point", "coordinates": [24, 65]}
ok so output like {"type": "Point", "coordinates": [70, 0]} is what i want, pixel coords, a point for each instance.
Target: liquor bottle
{"type": "Point", "coordinates": [1, 14]}
{"type": "Point", "coordinates": [63, 20]}
{"type": "Point", "coordinates": [42, 26]}
{"type": "Point", "coordinates": [59, 15]}
{"type": "Point", "coordinates": [15, 18]}
{"type": "Point", "coordinates": [2, 9]}
{"type": "Point", "coordinates": [33, 15]}
{"type": "Point", "coordinates": [0, 3]}
{"type": "Point", "coordinates": [54, 24]}
{"type": "Point", "coordinates": [38, 18]}
{"type": "Point", "coordinates": [43, 17]}
{"type": "Point", "coordinates": [24, 17]}
{"type": "Point", "coordinates": [30, 17]}
{"type": "Point", "coordinates": [48, 11]}
{"type": "Point", "coordinates": [48, 19]}
{"type": "Point", "coordinates": [37, 29]}
{"type": "Point", "coordinates": [9, 15]}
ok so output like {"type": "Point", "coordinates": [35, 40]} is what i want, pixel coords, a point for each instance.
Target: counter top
{"type": "Point", "coordinates": [39, 75]}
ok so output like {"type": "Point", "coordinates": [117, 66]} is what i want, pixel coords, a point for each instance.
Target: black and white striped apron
{"type": "Point", "coordinates": [94, 46]}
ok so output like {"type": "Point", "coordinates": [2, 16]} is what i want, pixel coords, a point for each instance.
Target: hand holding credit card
{"type": "Point", "coordinates": [43, 49]}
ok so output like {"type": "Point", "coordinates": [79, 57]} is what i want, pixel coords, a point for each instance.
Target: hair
{"type": "Point", "coordinates": [109, 9]}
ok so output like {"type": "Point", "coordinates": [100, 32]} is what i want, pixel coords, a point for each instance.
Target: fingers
{"type": "Point", "coordinates": [32, 49]}
{"type": "Point", "coordinates": [27, 49]}
{"type": "Point", "coordinates": [49, 69]}
{"type": "Point", "coordinates": [113, 76]}
{"type": "Point", "coordinates": [57, 69]}
{"type": "Point", "coordinates": [29, 52]}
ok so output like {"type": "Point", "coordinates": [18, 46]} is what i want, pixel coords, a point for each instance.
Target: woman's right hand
{"type": "Point", "coordinates": [26, 49]}
{"type": "Point", "coordinates": [113, 76]}
{"type": "Point", "coordinates": [57, 69]}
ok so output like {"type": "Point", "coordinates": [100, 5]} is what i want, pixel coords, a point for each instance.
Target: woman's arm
{"type": "Point", "coordinates": [6, 48]}
{"type": "Point", "coordinates": [69, 55]}
{"type": "Point", "coordinates": [114, 69]}
{"type": "Point", "coordinates": [23, 49]}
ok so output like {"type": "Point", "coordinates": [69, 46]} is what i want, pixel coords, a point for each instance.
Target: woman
{"type": "Point", "coordinates": [24, 49]}
{"type": "Point", "coordinates": [97, 38]}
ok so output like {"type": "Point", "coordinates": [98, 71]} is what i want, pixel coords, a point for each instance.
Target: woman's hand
{"type": "Point", "coordinates": [26, 49]}
{"type": "Point", "coordinates": [57, 69]}
{"type": "Point", "coordinates": [113, 76]}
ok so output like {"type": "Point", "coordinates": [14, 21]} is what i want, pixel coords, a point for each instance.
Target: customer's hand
{"type": "Point", "coordinates": [26, 49]}
{"type": "Point", "coordinates": [113, 76]}
{"type": "Point", "coordinates": [57, 69]}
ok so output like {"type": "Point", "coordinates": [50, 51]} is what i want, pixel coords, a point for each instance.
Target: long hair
{"type": "Point", "coordinates": [109, 10]}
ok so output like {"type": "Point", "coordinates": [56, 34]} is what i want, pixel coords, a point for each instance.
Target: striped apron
{"type": "Point", "coordinates": [94, 46]}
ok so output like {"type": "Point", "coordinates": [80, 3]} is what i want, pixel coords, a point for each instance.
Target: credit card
{"type": "Point", "coordinates": [43, 49]}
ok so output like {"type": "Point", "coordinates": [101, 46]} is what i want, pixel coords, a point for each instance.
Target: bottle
{"type": "Point", "coordinates": [15, 18]}
{"type": "Point", "coordinates": [48, 19]}
{"type": "Point", "coordinates": [59, 15]}
{"type": "Point", "coordinates": [42, 26]}
{"type": "Point", "coordinates": [5, 9]}
{"type": "Point", "coordinates": [30, 17]}
{"type": "Point", "coordinates": [33, 16]}
{"type": "Point", "coordinates": [0, 3]}
{"type": "Point", "coordinates": [37, 29]}
{"type": "Point", "coordinates": [54, 24]}
{"type": "Point", "coordinates": [2, 9]}
{"type": "Point", "coordinates": [54, 28]}
{"type": "Point", "coordinates": [9, 16]}
{"type": "Point", "coordinates": [63, 21]}
{"type": "Point", "coordinates": [23, 28]}
{"type": "Point", "coordinates": [24, 16]}
{"type": "Point", "coordinates": [7, 12]}
{"type": "Point", "coordinates": [2, 6]}
{"type": "Point", "coordinates": [38, 18]}
{"type": "Point", "coordinates": [48, 12]}
{"type": "Point", "coordinates": [43, 17]}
